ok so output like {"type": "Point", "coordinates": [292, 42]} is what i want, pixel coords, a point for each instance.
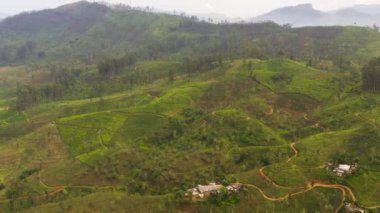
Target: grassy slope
{"type": "Point", "coordinates": [231, 101]}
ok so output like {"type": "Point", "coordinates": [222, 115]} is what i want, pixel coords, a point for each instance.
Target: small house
{"type": "Point", "coordinates": [234, 187]}
{"type": "Point", "coordinates": [352, 208]}
{"type": "Point", "coordinates": [204, 191]}
{"type": "Point", "coordinates": [342, 169]}
{"type": "Point", "coordinates": [209, 189]}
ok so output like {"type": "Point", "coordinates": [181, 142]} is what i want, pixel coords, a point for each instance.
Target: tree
{"type": "Point", "coordinates": [171, 76]}
{"type": "Point", "coordinates": [376, 28]}
{"type": "Point", "coordinates": [250, 66]}
{"type": "Point", "coordinates": [371, 76]}
{"type": "Point", "coordinates": [2, 186]}
{"type": "Point", "coordinates": [224, 198]}
{"type": "Point", "coordinates": [22, 52]}
{"type": "Point", "coordinates": [97, 90]}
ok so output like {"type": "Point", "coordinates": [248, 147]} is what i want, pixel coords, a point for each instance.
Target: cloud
{"type": "Point", "coordinates": [209, 7]}
{"type": "Point", "coordinates": [367, 2]}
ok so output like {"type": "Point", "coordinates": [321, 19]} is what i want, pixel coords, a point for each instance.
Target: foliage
{"type": "Point", "coordinates": [110, 67]}
{"type": "Point", "coordinates": [90, 32]}
{"type": "Point", "coordinates": [27, 173]}
{"type": "Point", "coordinates": [345, 158]}
{"type": "Point", "coordinates": [2, 186]}
{"type": "Point", "coordinates": [371, 76]}
{"type": "Point", "coordinates": [130, 102]}
{"type": "Point", "coordinates": [224, 198]}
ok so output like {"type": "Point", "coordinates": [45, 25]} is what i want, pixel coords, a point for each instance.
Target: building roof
{"type": "Point", "coordinates": [344, 167]}
{"type": "Point", "coordinates": [209, 188]}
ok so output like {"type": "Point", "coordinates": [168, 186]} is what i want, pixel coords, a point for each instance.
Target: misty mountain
{"type": "Point", "coordinates": [3, 15]}
{"type": "Point", "coordinates": [368, 9]}
{"type": "Point", "coordinates": [300, 15]}
{"type": "Point", "coordinates": [306, 15]}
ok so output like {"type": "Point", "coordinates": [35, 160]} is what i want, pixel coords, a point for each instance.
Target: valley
{"type": "Point", "coordinates": [84, 150]}
{"type": "Point", "coordinates": [131, 124]}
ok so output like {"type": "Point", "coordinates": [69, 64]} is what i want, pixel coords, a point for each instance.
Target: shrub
{"type": "Point", "coordinates": [371, 76]}
{"type": "Point", "coordinates": [2, 186]}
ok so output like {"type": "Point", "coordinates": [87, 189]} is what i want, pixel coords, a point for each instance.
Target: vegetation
{"type": "Point", "coordinates": [371, 75]}
{"type": "Point", "coordinates": [129, 109]}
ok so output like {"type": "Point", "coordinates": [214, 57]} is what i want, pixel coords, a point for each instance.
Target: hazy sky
{"type": "Point", "coordinates": [232, 8]}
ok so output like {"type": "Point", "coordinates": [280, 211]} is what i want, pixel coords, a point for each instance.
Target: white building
{"type": "Point", "coordinates": [344, 167]}
{"type": "Point", "coordinates": [203, 191]}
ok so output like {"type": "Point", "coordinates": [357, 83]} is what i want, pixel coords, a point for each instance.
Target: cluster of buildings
{"type": "Point", "coordinates": [341, 170]}
{"type": "Point", "coordinates": [204, 191]}
{"type": "Point", "coordinates": [352, 208]}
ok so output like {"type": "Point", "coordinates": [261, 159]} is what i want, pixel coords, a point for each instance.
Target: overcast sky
{"type": "Point", "coordinates": [232, 8]}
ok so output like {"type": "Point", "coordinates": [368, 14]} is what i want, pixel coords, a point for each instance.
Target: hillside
{"type": "Point", "coordinates": [160, 138]}
{"type": "Point", "coordinates": [118, 109]}
{"type": "Point", "coordinates": [88, 32]}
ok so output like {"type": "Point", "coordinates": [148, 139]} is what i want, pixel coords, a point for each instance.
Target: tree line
{"type": "Point", "coordinates": [371, 76]}
{"type": "Point", "coordinates": [113, 66]}
{"type": "Point", "coordinates": [63, 80]}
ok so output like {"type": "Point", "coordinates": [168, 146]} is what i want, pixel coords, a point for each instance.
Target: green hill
{"type": "Point", "coordinates": [118, 109]}
{"type": "Point", "coordinates": [87, 32]}
{"type": "Point", "coordinates": [162, 138]}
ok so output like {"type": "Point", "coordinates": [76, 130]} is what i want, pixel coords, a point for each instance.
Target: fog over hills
{"type": "Point", "coordinates": [306, 15]}
{"type": "Point", "coordinates": [297, 16]}
{"type": "Point", "coordinates": [369, 9]}
{"type": "Point", "coordinates": [3, 15]}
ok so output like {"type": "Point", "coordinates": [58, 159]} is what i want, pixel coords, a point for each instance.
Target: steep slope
{"type": "Point", "coordinates": [80, 29]}
{"type": "Point", "coordinates": [89, 32]}
{"type": "Point", "coordinates": [72, 19]}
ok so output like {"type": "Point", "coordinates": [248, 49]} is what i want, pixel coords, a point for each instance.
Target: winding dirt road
{"type": "Point", "coordinates": [310, 186]}
{"type": "Point", "coordinates": [271, 111]}
{"type": "Point", "coordinates": [317, 124]}
{"type": "Point", "coordinates": [293, 146]}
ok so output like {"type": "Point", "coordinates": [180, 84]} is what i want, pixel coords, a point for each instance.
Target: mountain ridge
{"type": "Point", "coordinates": [2, 16]}
{"type": "Point", "coordinates": [373, 9]}
{"type": "Point", "coordinates": [305, 15]}
{"type": "Point", "coordinates": [88, 32]}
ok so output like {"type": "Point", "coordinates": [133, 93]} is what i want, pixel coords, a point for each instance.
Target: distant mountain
{"type": "Point", "coordinates": [300, 15]}
{"type": "Point", "coordinates": [306, 15]}
{"type": "Point", "coordinates": [373, 9]}
{"type": "Point", "coordinates": [349, 16]}
{"type": "Point", "coordinates": [2, 15]}
{"type": "Point", "coordinates": [74, 18]}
